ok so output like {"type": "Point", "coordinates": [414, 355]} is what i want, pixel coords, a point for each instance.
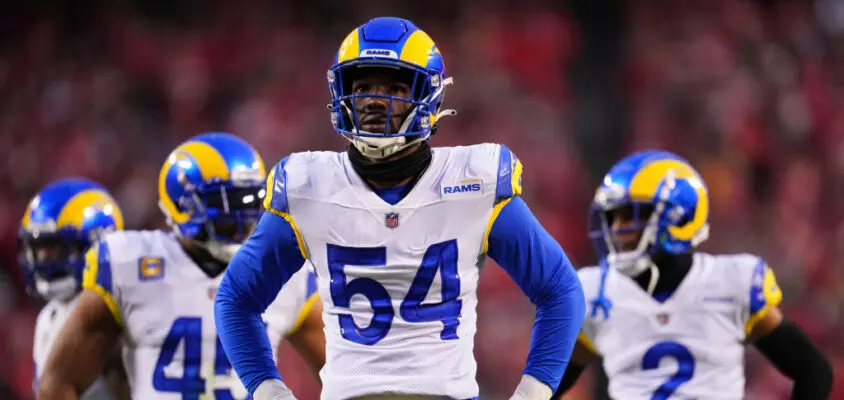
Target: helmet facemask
{"type": "Point", "coordinates": [643, 219]}
{"type": "Point", "coordinates": [53, 262]}
{"type": "Point", "coordinates": [418, 122]}
{"type": "Point", "coordinates": [223, 216]}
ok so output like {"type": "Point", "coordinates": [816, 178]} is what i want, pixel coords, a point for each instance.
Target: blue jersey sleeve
{"type": "Point", "coordinates": [537, 263]}
{"type": "Point", "coordinates": [252, 281]}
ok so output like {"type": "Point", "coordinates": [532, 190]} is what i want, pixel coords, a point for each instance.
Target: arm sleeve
{"type": "Point", "coordinates": [252, 281]}
{"type": "Point", "coordinates": [538, 265]}
{"type": "Point", "coordinates": [97, 277]}
{"type": "Point", "coordinates": [795, 356]}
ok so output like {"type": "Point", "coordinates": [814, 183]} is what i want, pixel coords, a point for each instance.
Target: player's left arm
{"type": "Point", "coordinates": [539, 266]}
{"type": "Point", "coordinates": [782, 342]}
{"type": "Point", "coordinates": [307, 335]}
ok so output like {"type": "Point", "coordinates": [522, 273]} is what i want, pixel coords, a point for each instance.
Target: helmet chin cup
{"type": "Point", "coordinates": [630, 263]}
{"type": "Point", "coordinates": [62, 289]}
{"type": "Point", "coordinates": [223, 252]}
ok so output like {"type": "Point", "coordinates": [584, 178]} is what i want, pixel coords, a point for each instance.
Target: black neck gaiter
{"type": "Point", "coordinates": [390, 172]}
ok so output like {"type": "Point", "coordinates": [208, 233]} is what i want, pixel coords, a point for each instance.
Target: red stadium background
{"type": "Point", "coordinates": [751, 92]}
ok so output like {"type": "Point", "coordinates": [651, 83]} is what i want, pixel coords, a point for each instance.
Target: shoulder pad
{"type": "Point", "coordinates": [509, 175]}
{"type": "Point", "coordinates": [757, 286]}
{"type": "Point", "coordinates": [138, 256]}
{"type": "Point", "coordinates": [293, 177]}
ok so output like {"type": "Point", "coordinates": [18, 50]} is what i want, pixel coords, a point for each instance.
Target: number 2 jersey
{"type": "Point", "coordinates": [398, 282]}
{"type": "Point", "coordinates": [691, 346]}
{"type": "Point", "coordinates": [165, 304]}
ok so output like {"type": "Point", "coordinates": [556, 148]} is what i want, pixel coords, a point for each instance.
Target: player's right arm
{"type": "Point", "coordinates": [89, 335]}
{"type": "Point", "coordinates": [252, 281]}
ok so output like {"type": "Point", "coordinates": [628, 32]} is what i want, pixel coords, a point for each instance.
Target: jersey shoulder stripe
{"type": "Point", "coordinates": [509, 175]}
{"type": "Point", "coordinates": [508, 185]}
{"type": "Point", "coordinates": [276, 203]}
{"type": "Point", "coordinates": [276, 196]}
{"type": "Point", "coordinates": [98, 278]}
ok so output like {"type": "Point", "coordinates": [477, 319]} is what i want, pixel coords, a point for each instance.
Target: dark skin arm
{"type": "Point", "coordinates": [79, 354]}
{"type": "Point", "coordinates": [581, 356]}
{"type": "Point", "coordinates": [114, 374]}
{"type": "Point", "coordinates": [309, 339]}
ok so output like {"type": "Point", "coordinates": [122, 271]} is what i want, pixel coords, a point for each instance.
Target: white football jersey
{"type": "Point", "coordinates": [398, 282]}
{"type": "Point", "coordinates": [692, 345]}
{"type": "Point", "coordinates": [165, 304]}
{"type": "Point", "coordinates": [49, 323]}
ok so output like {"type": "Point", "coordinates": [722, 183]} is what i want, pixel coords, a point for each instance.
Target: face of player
{"type": "Point", "coordinates": [373, 112]}
{"type": "Point", "coordinates": [627, 224]}
{"type": "Point", "coordinates": [236, 232]}
{"type": "Point", "coordinates": [55, 252]}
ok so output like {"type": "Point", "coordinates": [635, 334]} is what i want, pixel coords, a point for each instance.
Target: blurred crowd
{"type": "Point", "coordinates": [751, 92]}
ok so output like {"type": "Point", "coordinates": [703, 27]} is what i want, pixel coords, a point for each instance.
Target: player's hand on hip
{"type": "Point", "coordinates": [531, 388]}
{"type": "Point", "coordinates": [273, 389]}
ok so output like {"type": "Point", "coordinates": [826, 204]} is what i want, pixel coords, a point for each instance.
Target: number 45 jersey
{"type": "Point", "coordinates": [398, 282]}
{"type": "Point", "coordinates": [691, 346]}
{"type": "Point", "coordinates": [165, 304]}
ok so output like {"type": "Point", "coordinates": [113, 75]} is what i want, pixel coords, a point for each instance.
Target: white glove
{"type": "Point", "coordinates": [273, 389]}
{"type": "Point", "coordinates": [531, 388]}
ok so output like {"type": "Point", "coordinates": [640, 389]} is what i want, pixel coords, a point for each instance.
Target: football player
{"type": "Point", "coordinates": [59, 225]}
{"type": "Point", "coordinates": [669, 321]}
{"type": "Point", "coordinates": [397, 233]}
{"type": "Point", "coordinates": [156, 289]}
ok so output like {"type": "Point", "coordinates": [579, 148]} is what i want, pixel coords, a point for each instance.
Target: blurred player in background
{"type": "Point", "coordinates": [156, 289]}
{"type": "Point", "coordinates": [61, 222]}
{"type": "Point", "coordinates": [398, 233]}
{"type": "Point", "coordinates": [671, 322]}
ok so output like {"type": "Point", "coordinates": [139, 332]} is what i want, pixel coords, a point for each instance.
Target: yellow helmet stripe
{"type": "Point", "coordinates": [418, 48]}
{"type": "Point", "coordinates": [350, 48]}
{"type": "Point", "coordinates": [206, 158]}
{"type": "Point", "coordinates": [646, 182]}
{"type": "Point", "coordinates": [74, 212]}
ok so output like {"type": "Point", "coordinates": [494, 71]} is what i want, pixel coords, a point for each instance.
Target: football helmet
{"type": "Point", "coordinates": [396, 44]}
{"type": "Point", "coordinates": [60, 223]}
{"type": "Point", "coordinates": [210, 189]}
{"type": "Point", "coordinates": [667, 203]}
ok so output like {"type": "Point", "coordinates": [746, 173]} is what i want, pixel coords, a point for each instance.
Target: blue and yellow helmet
{"type": "Point", "coordinates": [396, 44]}
{"type": "Point", "coordinates": [668, 198]}
{"type": "Point", "coordinates": [666, 203]}
{"type": "Point", "coordinates": [210, 189]}
{"type": "Point", "coordinates": [59, 225]}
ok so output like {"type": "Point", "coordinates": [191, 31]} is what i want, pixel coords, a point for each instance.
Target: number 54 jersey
{"type": "Point", "coordinates": [691, 346]}
{"type": "Point", "coordinates": [165, 304]}
{"type": "Point", "coordinates": [398, 282]}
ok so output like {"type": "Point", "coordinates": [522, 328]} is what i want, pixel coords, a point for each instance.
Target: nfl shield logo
{"type": "Point", "coordinates": [392, 220]}
{"type": "Point", "coordinates": [212, 292]}
{"type": "Point", "coordinates": [662, 318]}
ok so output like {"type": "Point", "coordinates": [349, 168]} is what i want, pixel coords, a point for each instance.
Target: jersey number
{"type": "Point", "coordinates": [441, 256]}
{"type": "Point", "coordinates": [188, 331]}
{"type": "Point", "coordinates": [685, 366]}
